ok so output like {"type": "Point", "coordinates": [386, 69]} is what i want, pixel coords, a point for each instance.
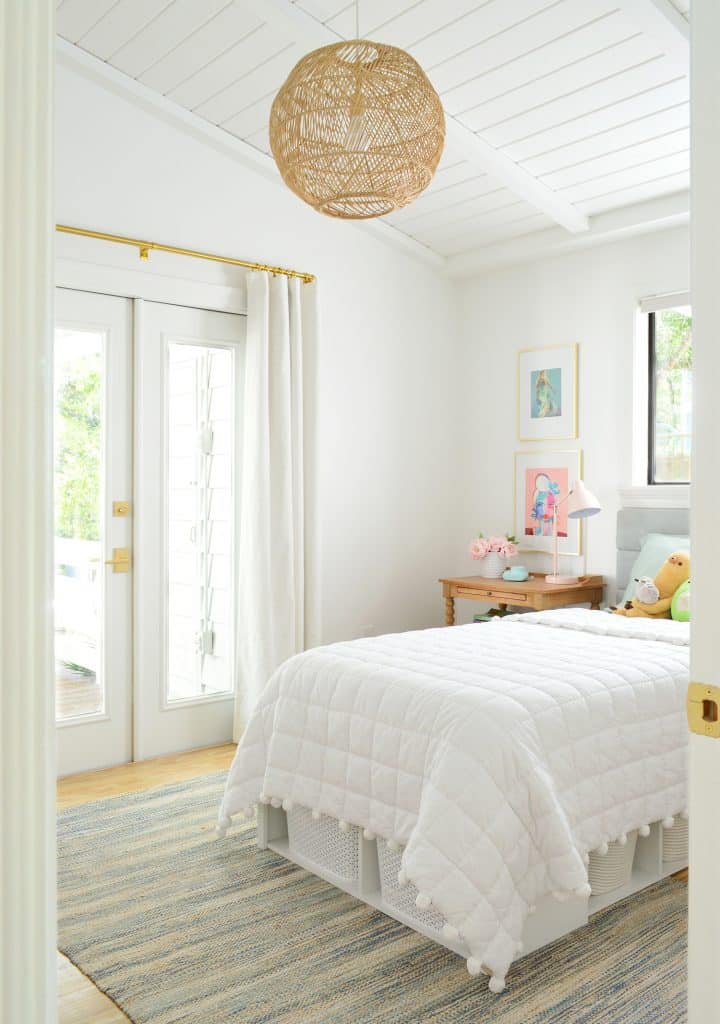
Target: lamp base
{"type": "Point", "coordinates": [566, 580]}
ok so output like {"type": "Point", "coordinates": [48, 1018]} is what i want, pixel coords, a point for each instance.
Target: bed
{"type": "Point", "coordinates": [469, 780]}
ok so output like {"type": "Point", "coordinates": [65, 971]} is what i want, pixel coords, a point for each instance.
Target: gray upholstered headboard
{"type": "Point", "coordinates": [634, 524]}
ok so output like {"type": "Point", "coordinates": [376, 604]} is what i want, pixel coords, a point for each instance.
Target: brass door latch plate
{"type": "Point", "coordinates": [703, 709]}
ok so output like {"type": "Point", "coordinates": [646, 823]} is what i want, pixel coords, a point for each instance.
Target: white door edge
{"type": "Point", "coordinates": [704, 882]}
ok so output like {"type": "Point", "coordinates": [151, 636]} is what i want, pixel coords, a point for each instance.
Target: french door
{"type": "Point", "coordinates": [188, 374]}
{"type": "Point", "coordinates": [93, 528]}
{"type": "Point", "coordinates": [146, 404]}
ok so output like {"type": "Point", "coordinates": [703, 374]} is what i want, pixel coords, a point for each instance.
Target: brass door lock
{"type": "Point", "coordinates": [703, 709]}
{"type": "Point", "coordinates": [120, 560]}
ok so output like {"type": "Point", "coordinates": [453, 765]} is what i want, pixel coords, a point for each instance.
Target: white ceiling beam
{"type": "Point", "coordinates": [660, 20]}
{"type": "Point", "coordinates": [625, 222]}
{"type": "Point", "coordinates": [478, 153]}
{"type": "Point", "coordinates": [506, 172]}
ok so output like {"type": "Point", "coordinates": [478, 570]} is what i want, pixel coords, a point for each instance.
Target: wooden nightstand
{"type": "Point", "coordinates": [533, 594]}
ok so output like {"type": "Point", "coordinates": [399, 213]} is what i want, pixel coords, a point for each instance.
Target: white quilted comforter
{"type": "Point", "coordinates": [498, 755]}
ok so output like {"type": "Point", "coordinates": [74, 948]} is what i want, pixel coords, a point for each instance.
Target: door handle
{"type": "Point", "coordinates": [120, 560]}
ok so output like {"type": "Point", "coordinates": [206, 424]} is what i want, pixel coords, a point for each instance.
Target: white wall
{"type": "Point", "coordinates": [587, 297]}
{"type": "Point", "coordinates": [386, 368]}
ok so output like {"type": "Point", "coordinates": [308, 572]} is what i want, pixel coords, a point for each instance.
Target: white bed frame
{"type": "Point", "coordinates": [552, 918]}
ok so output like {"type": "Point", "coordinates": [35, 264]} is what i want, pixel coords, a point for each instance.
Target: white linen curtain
{"type": "Point", "coordinates": [271, 558]}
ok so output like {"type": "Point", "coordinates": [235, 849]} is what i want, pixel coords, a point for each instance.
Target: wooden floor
{"type": "Point", "coordinates": [79, 1002]}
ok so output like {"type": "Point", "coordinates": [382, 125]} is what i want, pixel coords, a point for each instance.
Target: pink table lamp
{"type": "Point", "coordinates": [582, 503]}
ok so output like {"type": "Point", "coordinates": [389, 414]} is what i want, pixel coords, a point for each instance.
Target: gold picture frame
{"type": "Point", "coordinates": [571, 462]}
{"type": "Point", "coordinates": [560, 424]}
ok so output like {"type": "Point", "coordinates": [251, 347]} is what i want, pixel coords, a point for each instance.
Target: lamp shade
{"type": "Point", "coordinates": [357, 130]}
{"type": "Point", "coordinates": [582, 502]}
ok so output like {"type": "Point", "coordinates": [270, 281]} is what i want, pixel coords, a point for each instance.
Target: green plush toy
{"type": "Point", "coordinates": [680, 605]}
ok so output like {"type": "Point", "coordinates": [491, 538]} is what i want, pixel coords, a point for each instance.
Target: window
{"type": "Point", "coordinates": [199, 520]}
{"type": "Point", "coordinates": [669, 395]}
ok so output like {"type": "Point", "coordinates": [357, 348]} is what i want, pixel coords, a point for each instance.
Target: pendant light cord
{"type": "Point", "coordinates": [357, 19]}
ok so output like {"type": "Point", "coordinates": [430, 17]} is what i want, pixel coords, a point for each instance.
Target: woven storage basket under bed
{"type": "Point", "coordinates": [614, 869]}
{"type": "Point", "coordinates": [323, 843]}
{"type": "Point", "coordinates": [675, 841]}
{"type": "Point", "coordinates": [402, 897]}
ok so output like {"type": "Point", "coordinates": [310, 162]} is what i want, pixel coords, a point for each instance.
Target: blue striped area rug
{"type": "Point", "coordinates": [178, 927]}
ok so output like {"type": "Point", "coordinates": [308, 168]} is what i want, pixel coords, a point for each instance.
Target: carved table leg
{"type": "Point", "coordinates": [449, 611]}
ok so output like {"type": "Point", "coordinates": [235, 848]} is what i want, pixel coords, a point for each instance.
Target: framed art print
{"type": "Point", "coordinates": [547, 393]}
{"type": "Point", "coordinates": [542, 481]}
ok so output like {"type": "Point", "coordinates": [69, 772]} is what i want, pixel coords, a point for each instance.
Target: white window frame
{"type": "Point", "coordinates": [641, 494]}
{"type": "Point", "coordinates": [238, 372]}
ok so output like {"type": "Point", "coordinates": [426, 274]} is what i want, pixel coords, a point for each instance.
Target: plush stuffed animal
{"type": "Point", "coordinates": [673, 573]}
{"type": "Point", "coordinates": [646, 592]}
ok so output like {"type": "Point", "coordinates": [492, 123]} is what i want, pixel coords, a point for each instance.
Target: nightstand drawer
{"type": "Point", "coordinates": [494, 595]}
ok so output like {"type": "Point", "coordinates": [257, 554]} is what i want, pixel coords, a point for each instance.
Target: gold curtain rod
{"type": "Point", "coordinates": [144, 249]}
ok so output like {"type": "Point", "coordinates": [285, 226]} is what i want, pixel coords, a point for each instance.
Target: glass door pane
{"type": "Point", "coordinates": [79, 416]}
{"type": "Point", "coordinates": [200, 389]}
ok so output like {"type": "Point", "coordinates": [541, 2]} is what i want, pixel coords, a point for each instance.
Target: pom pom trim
{"type": "Point", "coordinates": [474, 966]}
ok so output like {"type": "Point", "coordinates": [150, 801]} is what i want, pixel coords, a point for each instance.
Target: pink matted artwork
{"type": "Point", "coordinates": [544, 487]}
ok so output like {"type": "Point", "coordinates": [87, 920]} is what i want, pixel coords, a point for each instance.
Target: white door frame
{"type": "Point", "coordinates": [112, 274]}
{"type": "Point", "coordinates": [116, 270]}
{"type": "Point", "coordinates": [704, 885]}
{"type": "Point", "coordinates": [27, 727]}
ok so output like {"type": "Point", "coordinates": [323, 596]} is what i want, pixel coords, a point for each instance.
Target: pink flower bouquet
{"type": "Point", "coordinates": [482, 546]}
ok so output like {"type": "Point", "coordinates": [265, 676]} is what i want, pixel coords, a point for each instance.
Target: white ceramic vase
{"type": "Point", "coordinates": [493, 565]}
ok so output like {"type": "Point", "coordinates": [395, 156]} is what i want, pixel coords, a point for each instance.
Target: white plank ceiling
{"type": "Point", "coordinates": [582, 96]}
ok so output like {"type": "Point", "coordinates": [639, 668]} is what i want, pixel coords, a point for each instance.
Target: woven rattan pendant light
{"type": "Point", "coordinates": [357, 130]}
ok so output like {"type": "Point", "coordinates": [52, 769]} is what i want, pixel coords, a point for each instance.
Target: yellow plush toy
{"type": "Point", "coordinates": [673, 573]}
